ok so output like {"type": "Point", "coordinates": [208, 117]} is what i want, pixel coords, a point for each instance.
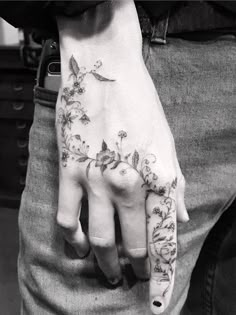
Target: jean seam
{"type": "Point", "coordinates": [208, 289]}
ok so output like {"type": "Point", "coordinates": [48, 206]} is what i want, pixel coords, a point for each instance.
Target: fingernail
{"type": "Point", "coordinates": [83, 256]}
{"type": "Point", "coordinates": [115, 282]}
{"type": "Point", "coordinates": [157, 305]}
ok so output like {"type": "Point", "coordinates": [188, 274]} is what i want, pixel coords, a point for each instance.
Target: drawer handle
{"type": "Point", "coordinates": [18, 88]}
{"type": "Point", "coordinates": [18, 106]}
{"type": "Point", "coordinates": [22, 181]}
{"type": "Point", "coordinates": [22, 144]}
{"type": "Point", "coordinates": [23, 162]}
{"type": "Point", "coordinates": [20, 124]}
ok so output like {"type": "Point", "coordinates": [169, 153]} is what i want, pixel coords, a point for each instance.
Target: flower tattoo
{"type": "Point", "coordinates": [71, 95]}
{"type": "Point", "coordinates": [162, 244]}
{"type": "Point", "coordinates": [74, 149]}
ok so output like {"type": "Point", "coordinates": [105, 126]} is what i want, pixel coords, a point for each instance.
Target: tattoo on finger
{"type": "Point", "coordinates": [162, 244]}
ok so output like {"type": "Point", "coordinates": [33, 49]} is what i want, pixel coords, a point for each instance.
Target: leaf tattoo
{"type": "Point", "coordinates": [135, 159]}
{"type": "Point", "coordinates": [73, 65]}
{"type": "Point", "coordinates": [100, 77]}
{"type": "Point", "coordinates": [71, 94]}
{"type": "Point", "coordinates": [104, 146]}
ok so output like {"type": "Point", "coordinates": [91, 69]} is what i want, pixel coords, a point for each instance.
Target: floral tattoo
{"type": "Point", "coordinates": [73, 108]}
{"type": "Point", "coordinates": [162, 244]}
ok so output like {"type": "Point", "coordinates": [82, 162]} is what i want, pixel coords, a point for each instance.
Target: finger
{"type": "Point", "coordinates": [161, 230]}
{"type": "Point", "coordinates": [133, 228]}
{"type": "Point", "coordinates": [182, 213]}
{"type": "Point", "coordinates": [102, 237]}
{"type": "Point", "coordinates": [69, 206]}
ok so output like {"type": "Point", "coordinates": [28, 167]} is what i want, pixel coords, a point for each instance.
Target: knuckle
{"type": "Point", "coordinates": [137, 254]}
{"type": "Point", "coordinates": [126, 182]}
{"type": "Point", "coordinates": [69, 173]}
{"type": "Point", "coordinates": [66, 222]}
{"type": "Point", "coordinates": [101, 243]}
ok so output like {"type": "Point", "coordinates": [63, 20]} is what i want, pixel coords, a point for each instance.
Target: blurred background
{"type": "Point", "coordinates": [19, 56]}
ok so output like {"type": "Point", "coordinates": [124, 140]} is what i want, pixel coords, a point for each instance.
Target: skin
{"type": "Point", "coordinates": [116, 148]}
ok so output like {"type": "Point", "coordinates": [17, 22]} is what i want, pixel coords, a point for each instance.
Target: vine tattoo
{"type": "Point", "coordinates": [162, 244]}
{"type": "Point", "coordinates": [73, 109]}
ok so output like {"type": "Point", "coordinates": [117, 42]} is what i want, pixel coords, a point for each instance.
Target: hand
{"type": "Point", "coordinates": [116, 147]}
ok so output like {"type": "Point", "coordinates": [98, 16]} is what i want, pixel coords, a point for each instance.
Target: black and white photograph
{"type": "Point", "coordinates": [117, 157]}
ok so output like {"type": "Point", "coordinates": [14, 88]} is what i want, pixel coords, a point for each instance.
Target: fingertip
{"type": "Point", "coordinates": [182, 213]}
{"type": "Point", "coordinates": [160, 294]}
{"type": "Point", "coordinates": [183, 217]}
{"type": "Point", "coordinates": [83, 249]}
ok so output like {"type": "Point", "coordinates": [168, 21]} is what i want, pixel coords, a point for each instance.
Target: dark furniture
{"type": "Point", "coordinates": [16, 115]}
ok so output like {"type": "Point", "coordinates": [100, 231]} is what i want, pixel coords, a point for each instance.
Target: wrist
{"type": "Point", "coordinates": [109, 32]}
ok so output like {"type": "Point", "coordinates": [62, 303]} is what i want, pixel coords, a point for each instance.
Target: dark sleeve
{"type": "Point", "coordinates": [39, 14]}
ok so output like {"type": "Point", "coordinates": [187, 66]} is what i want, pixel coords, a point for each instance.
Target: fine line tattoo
{"type": "Point", "coordinates": [162, 245]}
{"type": "Point", "coordinates": [73, 109]}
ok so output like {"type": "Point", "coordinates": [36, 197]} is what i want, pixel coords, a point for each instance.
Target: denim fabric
{"type": "Point", "coordinates": [196, 84]}
{"type": "Point", "coordinates": [213, 281]}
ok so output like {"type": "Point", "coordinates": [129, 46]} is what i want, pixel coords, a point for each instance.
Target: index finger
{"type": "Point", "coordinates": [162, 247]}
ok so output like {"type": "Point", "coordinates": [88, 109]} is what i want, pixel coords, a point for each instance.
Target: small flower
{"type": "Point", "coordinates": [156, 210]}
{"type": "Point", "coordinates": [76, 84]}
{"type": "Point", "coordinates": [161, 191]}
{"type": "Point", "coordinates": [81, 90]}
{"type": "Point", "coordinates": [122, 134]}
{"type": "Point", "coordinates": [66, 90]}
{"type": "Point", "coordinates": [64, 156]}
{"type": "Point", "coordinates": [67, 119]}
{"type": "Point", "coordinates": [66, 94]}
{"type": "Point", "coordinates": [105, 157]}
{"type": "Point", "coordinates": [98, 64]}
{"type": "Point", "coordinates": [84, 119]}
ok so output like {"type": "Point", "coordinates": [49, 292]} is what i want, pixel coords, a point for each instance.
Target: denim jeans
{"type": "Point", "coordinates": [197, 87]}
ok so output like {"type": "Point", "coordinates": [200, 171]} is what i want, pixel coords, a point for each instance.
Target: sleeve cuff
{"type": "Point", "coordinates": [71, 8]}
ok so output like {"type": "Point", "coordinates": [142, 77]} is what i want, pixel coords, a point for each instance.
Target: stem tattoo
{"type": "Point", "coordinates": [73, 109]}
{"type": "Point", "coordinates": [162, 244]}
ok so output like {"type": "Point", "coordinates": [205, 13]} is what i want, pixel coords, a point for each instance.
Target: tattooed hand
{"type": "Point", "coordinates": [116, 148]}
